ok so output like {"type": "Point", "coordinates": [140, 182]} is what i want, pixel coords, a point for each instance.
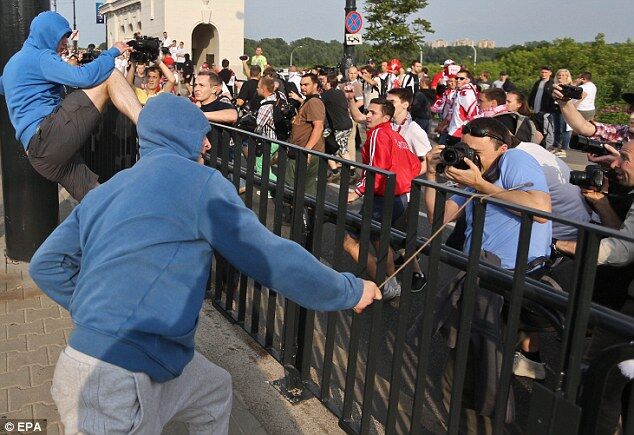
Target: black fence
{"type": "Point", "coordinates": [382, 371]}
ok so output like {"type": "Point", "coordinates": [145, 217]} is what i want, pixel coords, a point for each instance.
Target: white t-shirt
{"type": "Point", "coordinates": [414, 135]}
{"type": "Point", "coordinates": [566, 198]}
{"type": "Point", "coordinates": [587, 103]}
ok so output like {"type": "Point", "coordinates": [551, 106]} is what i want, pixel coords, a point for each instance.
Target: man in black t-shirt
{"type": "Point", "coordinates": [228, 76]}
{"type": "Point", "coordinates": [206, 90]}
{"type": "Point", "coordinates": [248, 96]}
{"type": "Point", "coordinates": [338, 121]}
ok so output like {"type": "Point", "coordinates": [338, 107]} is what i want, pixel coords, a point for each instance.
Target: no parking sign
{"type": "Point", "coordinates": [354, 22]}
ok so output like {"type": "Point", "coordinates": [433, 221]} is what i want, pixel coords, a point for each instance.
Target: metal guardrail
{"type": "Point", "coordinates": [370, 376]}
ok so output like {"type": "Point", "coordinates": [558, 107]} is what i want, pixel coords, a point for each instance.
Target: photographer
{"type": "Point", "coordinates": [620, 254]}
{"type": "Point", "coordinates": [53, 130]}
{"type": "Point", "coordinates": [513, 175]}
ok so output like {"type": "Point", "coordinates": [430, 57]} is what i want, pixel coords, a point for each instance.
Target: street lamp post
{"type": "Point", "coordinates": [420, 53]}
{"type": "Point", "coordinates": [292, 51]}
{"type": "Point", "coordinates": [475, 55]}
{"type": "Point", "coordinates": [74, 28]}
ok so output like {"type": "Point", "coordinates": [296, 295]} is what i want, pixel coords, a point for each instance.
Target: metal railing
{"type": "Point", "coordinates": [368, 369]}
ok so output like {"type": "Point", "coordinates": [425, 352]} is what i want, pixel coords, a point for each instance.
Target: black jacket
{"type": "Point", "coordinates": [548, 104]}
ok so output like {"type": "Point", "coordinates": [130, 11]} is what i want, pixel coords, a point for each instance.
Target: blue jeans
{"type": "Point", "coordinates": [562, 135]}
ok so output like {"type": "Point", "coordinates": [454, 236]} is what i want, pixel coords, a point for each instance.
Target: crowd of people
{"type": "Point", "coordinates": [169, 211]}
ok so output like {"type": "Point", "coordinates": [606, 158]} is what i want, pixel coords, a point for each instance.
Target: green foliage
{"type": "Point", "coordinates": [391, 29]}
{"type": "Point", "coordinates": [311, 53]}
{"type": "Point", "coordinates": [611, 65]}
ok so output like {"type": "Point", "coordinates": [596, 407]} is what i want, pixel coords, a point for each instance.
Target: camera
{"type": "Point", "coordinates": [571, 92]}
{"type": "Point", "coordinates": [145, 49]}
{"type": "Point", "coordinates": [587, 145]}
{"type": "Point", "coordinates": [454, 155]}
{"type": "Point", "coordinates": [592, 177]}
{"type": "Point", "coordinates": [244, 57]}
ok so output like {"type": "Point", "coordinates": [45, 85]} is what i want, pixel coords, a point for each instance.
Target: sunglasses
{"type": "Point", "coordinates": [479, 132]}
{"type": "Point", "coordinates": [461, 78]}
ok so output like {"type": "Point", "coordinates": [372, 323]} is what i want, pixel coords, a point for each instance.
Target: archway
{"type": "Point", "coordinates": [205, 47]}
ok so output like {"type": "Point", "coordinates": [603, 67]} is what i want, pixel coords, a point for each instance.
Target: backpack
{"type": "Point", "coordinates": [525, 129]}
{"type": "Point", "coordinates": [283, 114]}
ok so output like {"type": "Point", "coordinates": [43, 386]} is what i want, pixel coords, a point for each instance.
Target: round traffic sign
{"type": "Point", "coordinates": [354, 22]}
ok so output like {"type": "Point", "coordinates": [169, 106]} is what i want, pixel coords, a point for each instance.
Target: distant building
{"type": "Point", "coordinates": [463, 42]}
{"type": "Point", "coordinates": [438, 43]}
{"type": "Point", "coordinates": [486, 43]}
{"type": "Point", "coordinates": [211, 31]}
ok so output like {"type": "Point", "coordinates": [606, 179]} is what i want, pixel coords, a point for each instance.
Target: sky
{"type": "Point", "coordinates": [505, 21]}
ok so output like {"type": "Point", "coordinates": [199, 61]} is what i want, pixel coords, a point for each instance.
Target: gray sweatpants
{"type": "Point", "coordinates": [95, 397]}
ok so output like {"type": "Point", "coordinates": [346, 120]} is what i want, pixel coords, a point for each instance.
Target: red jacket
{"type": "Point", "coordinates": [386, 149]}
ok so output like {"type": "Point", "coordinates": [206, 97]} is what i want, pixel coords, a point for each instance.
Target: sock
{"type": "Point", "coordinates": [533, 356]}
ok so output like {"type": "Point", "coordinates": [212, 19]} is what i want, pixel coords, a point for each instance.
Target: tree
{"type": "Point", "coordinates": [391, 28]}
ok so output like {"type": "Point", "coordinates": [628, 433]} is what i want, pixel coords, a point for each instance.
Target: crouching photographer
{"type": "Point", "coordinates": [619, 254]}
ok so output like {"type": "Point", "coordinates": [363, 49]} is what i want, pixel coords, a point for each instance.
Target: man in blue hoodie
{"type": "Point", "coordinates": [53, 130]}
{"type": "Point", "coordinates": [131, 264]}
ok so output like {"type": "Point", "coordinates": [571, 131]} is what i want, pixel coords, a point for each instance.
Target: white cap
{"type": "Point", "coordinates": [448, 62]}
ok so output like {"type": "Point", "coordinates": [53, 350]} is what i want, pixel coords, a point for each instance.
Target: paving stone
{"type": "Point", "coordinates": [41, 374]}
{"type": "Point", "coordinates": [53, 354]}
{"type": "Point", "coordinates": [54, 429]}
{"type": "Point", "coordinates": [63, 312]}
{"type": "Point", "coordinates": [42, 313]}
{"type": "Point", "coordinates": [47, 302]}
{"type": "Point", "coordinates": [3, 307]}
{"type": "Point", "coordinates": [3, 362]}
{"type": "Point", "coordinates": [18, 343]}
{"type": "Point", "coordinates": [37, 340]}
{"type": "Point", "coordinates": [23, 413]}
{"type": "Point", "coordinates": [15, 360]}
{"type": "Point", "coordinates": [21, 397]}
{"type": "Point", "coordinates": [51, 325]}
{"type": "Point", "coordinates": [4, 401]}
{"type": "Point", "coordinates": [15, 317]}
{"type": "Point", "coordinates": [13, 294]}
{"type": "Point", "coordinates": [46, 411]}
{"type": "Point", "coordinates": [19, 378]}
{"type": "Point", "coordinates": [36, 327]}
{"type": "Point", "coordinates": [15, 305]}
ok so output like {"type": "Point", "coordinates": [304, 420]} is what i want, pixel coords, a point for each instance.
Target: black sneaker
{"type": "Point", "coordinates": [398, 261]}
{"type": "Point", "coordinates": [419, 280]}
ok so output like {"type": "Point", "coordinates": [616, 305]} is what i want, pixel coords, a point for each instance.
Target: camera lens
{"type": "Point", "coordinates": [449, 156]}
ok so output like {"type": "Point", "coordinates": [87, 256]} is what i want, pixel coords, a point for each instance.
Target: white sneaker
{"type": "Point", "coordinates": [391, 290]}
{"type": "Point", "coordinates": [561, 154]}
{"type": "Point", "coordinates": [528, 368]}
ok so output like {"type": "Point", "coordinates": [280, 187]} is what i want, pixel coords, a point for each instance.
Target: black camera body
{"type": "Point", "coordinates": [145, 49]}
{"type": "Point", "coordinates": [591, 177]}
{"type": "Point", "coordinates": [571, 92]}
{"type": "Point", "coordinates": [454, 155]}
{"type": "Point", "coordinates": [587, 145]}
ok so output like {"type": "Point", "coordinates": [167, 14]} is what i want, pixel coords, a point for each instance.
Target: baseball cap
{"type": "Point", "coordinates": [448, 62]}
{"type": "Point", "coordinates": [629, 98]}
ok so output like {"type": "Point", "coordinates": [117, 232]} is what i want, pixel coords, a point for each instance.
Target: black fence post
{"type": "Point", "coordinates": [31, 206]}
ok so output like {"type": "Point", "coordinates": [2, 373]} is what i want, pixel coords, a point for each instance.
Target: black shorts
{"type": "Point", "coordinates": [54, 148]}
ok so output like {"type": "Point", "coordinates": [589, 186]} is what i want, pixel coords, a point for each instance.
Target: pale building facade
{"type": "Point", "coordinates": [212, 30]}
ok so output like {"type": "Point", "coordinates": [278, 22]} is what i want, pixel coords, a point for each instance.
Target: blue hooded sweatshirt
{"type": "Point", "coordinates": [32, 79]}
{"type": "Point", "coordinates": [131, 261]}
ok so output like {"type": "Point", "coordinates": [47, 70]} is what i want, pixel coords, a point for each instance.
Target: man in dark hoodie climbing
{"type": "Point", "coordinates": [53, 130]}
{"type": "Point", "coordinates": [131, 264]}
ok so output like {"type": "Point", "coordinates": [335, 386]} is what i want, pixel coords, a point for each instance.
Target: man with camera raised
{"type": "Point", "coordinates": [484, 163]}
{"type": "Point", "coordinates": [53, 130]}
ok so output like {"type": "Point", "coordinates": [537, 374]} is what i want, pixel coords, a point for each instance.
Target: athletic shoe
{"type": "Point", "coordinates": [528, 368]}
{"type": "Point", "coordinates": [268, 194]}
{"type": "Point", "coordinates": [419, 281]}
{"type": "Point", "coordinates": [391, 290]}
{"type": "Point", "coordinates": [561, 154]}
